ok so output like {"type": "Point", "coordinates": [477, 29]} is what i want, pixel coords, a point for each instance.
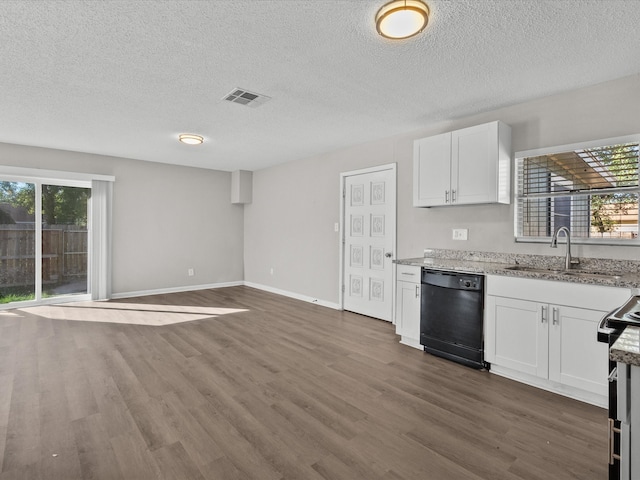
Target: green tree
{"type": "Point", "coordinates": [60, 205]}
{"type": "Point", "coordinates": [603, 207]}
{"type": "Point", "coordinates": [18, 194]}
{"type": "Point", "coordinates": [621, 165]}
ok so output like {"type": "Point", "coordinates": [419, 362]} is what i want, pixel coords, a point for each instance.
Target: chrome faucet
{"type": "Point", "coordinates": [568, 261]}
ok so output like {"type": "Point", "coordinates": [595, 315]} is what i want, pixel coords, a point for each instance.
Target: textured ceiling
{"type": "Point", "coordinates": [123, 78]}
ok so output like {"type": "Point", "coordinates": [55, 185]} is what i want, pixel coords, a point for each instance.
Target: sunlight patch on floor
{"type": "Point", "coordinates": [128, 313]}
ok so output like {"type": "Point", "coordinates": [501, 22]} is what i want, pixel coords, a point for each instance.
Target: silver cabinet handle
{"type": "Point", "coordinates": [453, 196]}
{"type": "Point", "coordinates": [543, 314]}
{"type": "Point", "coordinates": [613, 431]}
{"type": "Point", "coordinates": [417, 291]}
{"type": "Point", "coordinates": [446, 196]}
{"type": "Point", "coordinates": [556, 316]}
{"type": "Point", "coordinates": [611, 441]}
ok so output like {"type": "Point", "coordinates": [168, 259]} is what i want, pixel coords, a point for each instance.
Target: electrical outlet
{"type": "Point", "coordinates": [271, 271]}
{"type": "Point", "coordinates": [460, 233]}
{"type": "Point", "coordinates": [336, 227]}
{"type": "Point", "coordinates": [191, 272]}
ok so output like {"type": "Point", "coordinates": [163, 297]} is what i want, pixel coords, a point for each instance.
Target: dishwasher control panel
{"type": "Point", "coordinates": [469, 283]}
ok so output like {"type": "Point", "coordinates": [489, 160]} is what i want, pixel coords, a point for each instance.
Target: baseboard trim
{"type": "Point", "coordinates": [550, 386]}
{"type": "Point", "coordinates": [410, 342]}
{"type": "Point", "coordinates": [161, 291]}
{"type": "Point", "coordinates": [296, 296]}
{"type": "Point", "coordinates": [189, 288]}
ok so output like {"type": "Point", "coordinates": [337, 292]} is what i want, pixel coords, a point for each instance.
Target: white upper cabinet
{"type": "Point", "coordinates": [431, 170]}
{"type": "Point", "coordinates": [463, 167]}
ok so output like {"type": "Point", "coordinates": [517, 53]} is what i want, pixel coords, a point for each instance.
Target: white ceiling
{"type": "Point", "coordinates": [124, 78]}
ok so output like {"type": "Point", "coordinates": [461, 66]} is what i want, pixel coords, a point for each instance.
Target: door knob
{"type": "Point", "coordinates": [388, 255]}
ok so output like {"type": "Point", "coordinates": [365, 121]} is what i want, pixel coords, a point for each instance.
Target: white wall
{"type": "Point", "coordinates": [289, 225]}
{"type": "Point", "coordinates": [166, 219]}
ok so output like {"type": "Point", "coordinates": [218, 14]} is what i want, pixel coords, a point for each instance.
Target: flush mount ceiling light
{"type": "Point", "coordinates": [190, 139]}
{"type": "Point", "coordinates": [402, 19]}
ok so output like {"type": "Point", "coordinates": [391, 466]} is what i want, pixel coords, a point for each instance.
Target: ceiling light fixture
{"type": "Point", "coordinates": [190, 139]}
{"type": "Point", "coordinates": [402, 19]}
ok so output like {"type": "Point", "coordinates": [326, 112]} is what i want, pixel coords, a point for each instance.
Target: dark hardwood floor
{"type": "Point", "coordinates": [279, 389]}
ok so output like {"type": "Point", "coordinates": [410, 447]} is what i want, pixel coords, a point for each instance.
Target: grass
{"type": "Point", "coordinates": [16, 297]}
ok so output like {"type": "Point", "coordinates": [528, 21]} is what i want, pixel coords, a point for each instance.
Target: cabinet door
{"type": "Point", "coordinates": [474, 154]}
{"type": "Point", "coordinates": [516, 335]}
{"type": "Point", "coordinates": [576, 358]}
{"type": "Point", "coordinates": [408, 310]}
{"type": "Point", "coordinates": [432, 171]}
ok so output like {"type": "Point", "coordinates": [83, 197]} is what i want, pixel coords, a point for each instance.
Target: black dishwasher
{"type": "Point", "coordinates": [451, 316]}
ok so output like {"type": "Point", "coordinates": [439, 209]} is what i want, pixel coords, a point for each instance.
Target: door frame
{"type": "Point", "coordinates": [343, 178]}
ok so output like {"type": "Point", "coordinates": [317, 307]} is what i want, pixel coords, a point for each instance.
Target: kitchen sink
{"type": "Point", "coordinates": [522, 268]}
{"type": "Point", "coordinates": [557, 271]}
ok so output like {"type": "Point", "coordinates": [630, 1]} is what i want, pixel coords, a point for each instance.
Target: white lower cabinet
{"type": "Point", "coordinates": [408, 304]}
{"type": "Point", "coordinates": [576, 358]}
{"type": "Point", "coordinates": [545, 333]}
{"type": "Point", "coordinates": [515, 335]}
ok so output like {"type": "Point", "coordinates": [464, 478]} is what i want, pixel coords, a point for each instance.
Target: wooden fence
{"type": "Point", "coordinates": [64, 254]}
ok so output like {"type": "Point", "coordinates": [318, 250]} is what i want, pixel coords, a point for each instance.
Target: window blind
{"type": "Point", "coordinates": [593, 192]}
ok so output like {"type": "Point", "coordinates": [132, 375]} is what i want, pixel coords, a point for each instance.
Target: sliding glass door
{"type": "Point", "coordinates": [65, 240]}
{"type": "Point", "coordinates": [17, 242]}
{"type": "Point", "coordinates": [44, 240]}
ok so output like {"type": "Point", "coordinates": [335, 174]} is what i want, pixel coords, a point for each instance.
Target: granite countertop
{"type": "Point", "coordinates": [627, 348]}
{"type": "Point", "coordinates": [604, 273]}
{"type": "Point", "coordinates": [591, 271]}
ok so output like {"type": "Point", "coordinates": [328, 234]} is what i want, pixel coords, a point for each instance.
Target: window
{"type": "Point", "coordinates": [590, 189]}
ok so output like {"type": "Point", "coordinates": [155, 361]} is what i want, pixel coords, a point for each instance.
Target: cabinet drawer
{"type": "Point", "coordinates": [592, 297]}
{"type": "Point", "coordinates": [408, 273]}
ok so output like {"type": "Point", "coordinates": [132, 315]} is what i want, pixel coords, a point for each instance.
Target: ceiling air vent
{"type": "Point", "coordinates": [245, 97]}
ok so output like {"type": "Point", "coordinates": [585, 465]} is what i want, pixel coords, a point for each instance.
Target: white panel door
{"type": "Point", "coordinates": [369, 229]}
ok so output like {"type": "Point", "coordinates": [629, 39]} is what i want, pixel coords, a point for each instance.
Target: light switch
{"type": "Point", "coordinates": [460, 233]}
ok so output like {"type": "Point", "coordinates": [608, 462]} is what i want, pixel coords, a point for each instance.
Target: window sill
{"type": "Point", "coordinates": [582, 241]}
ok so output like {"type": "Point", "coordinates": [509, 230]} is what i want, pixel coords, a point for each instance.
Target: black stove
{"type": "Point", "coordinates": [632, 318]}
{"type": "Point", "coordinates": [627, 314]}
{"type": "Point", "coordinates": [610, 328]}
